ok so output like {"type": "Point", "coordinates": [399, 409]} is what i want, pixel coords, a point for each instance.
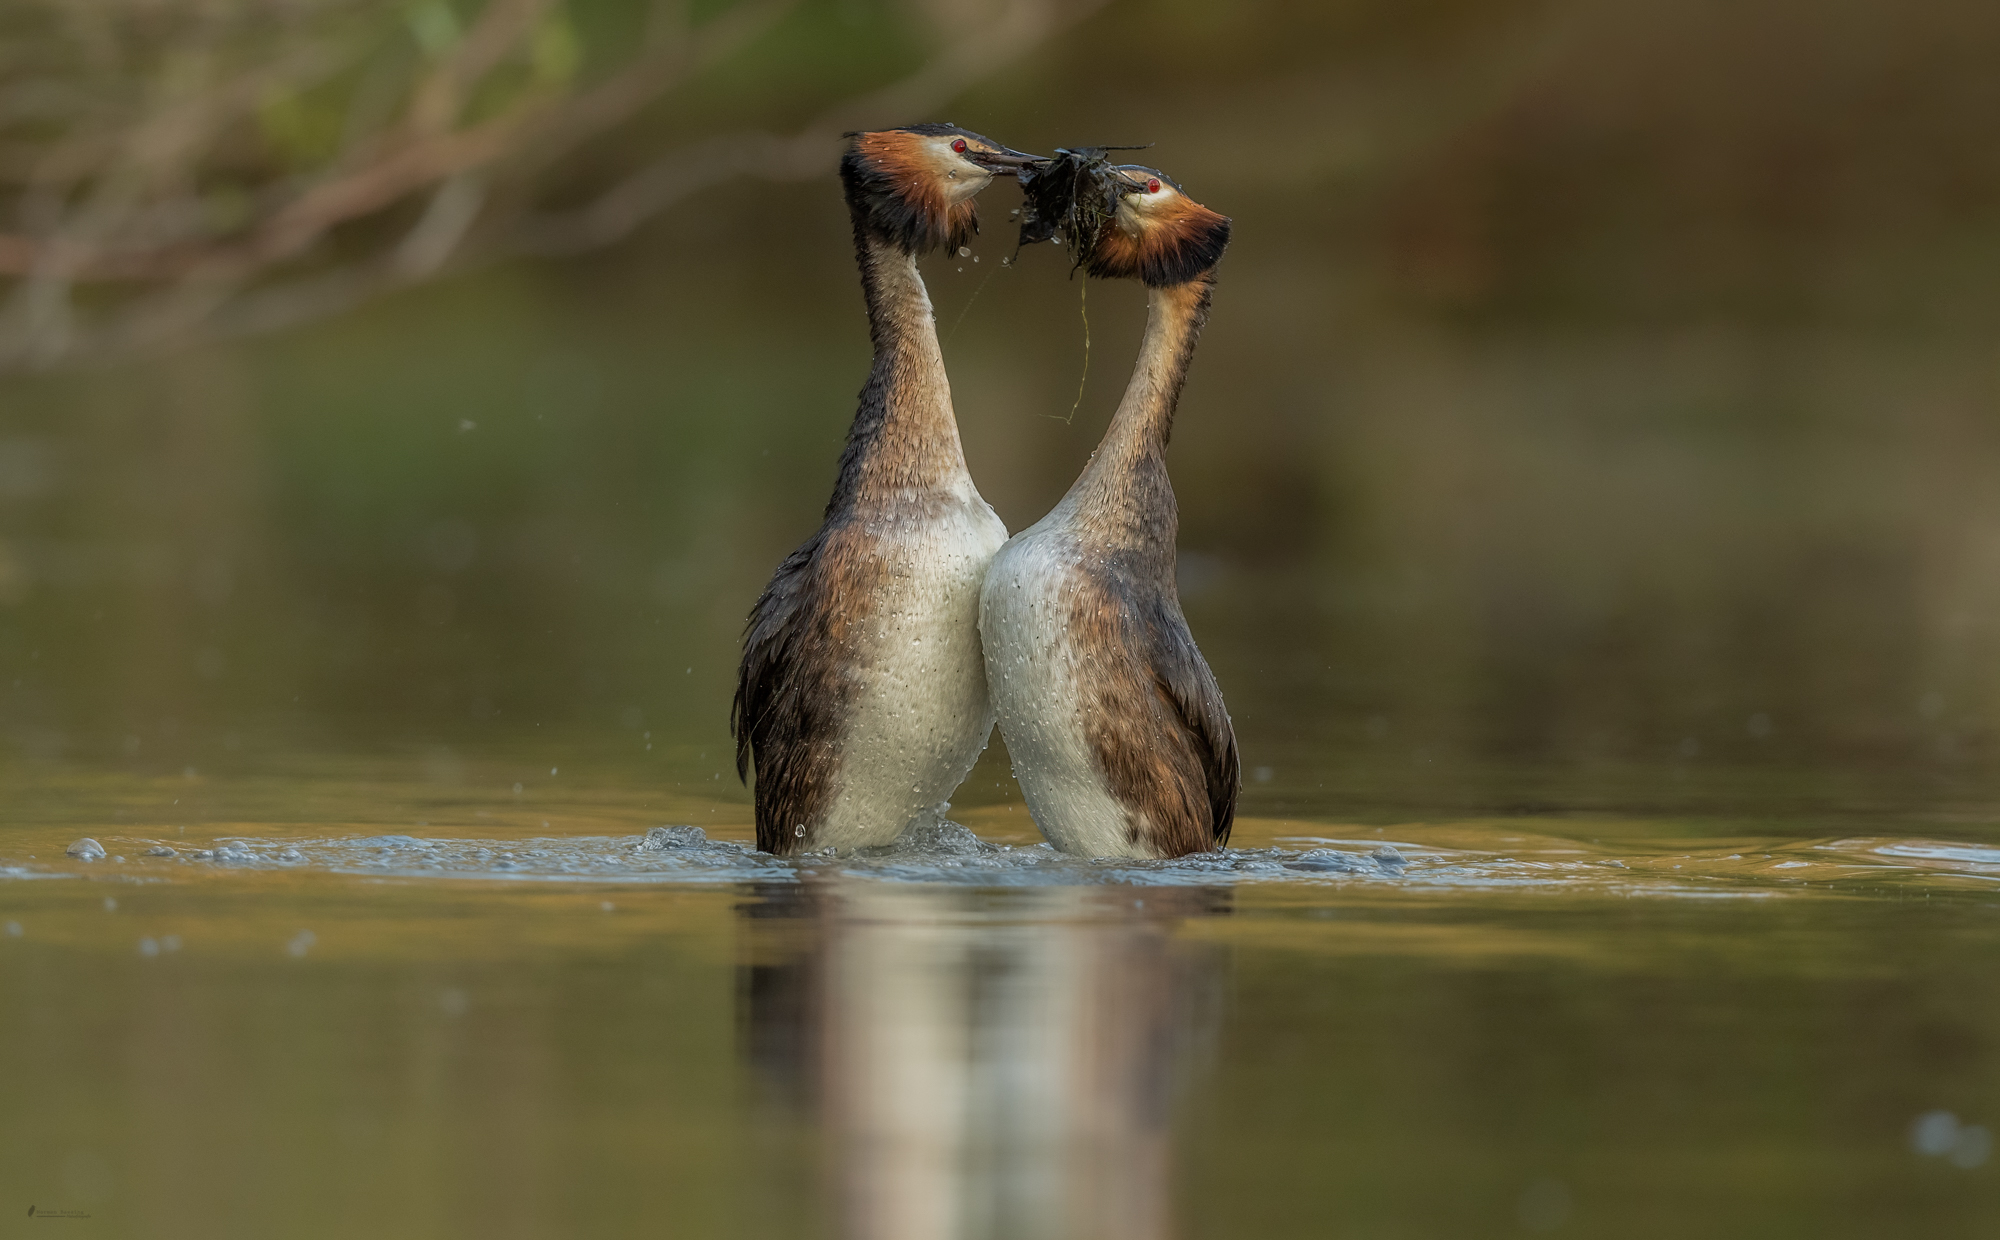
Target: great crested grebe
{"type": "Point", "coordinates": [862, 697]}
{"type": "Point", "coordinates": [1113, 720]}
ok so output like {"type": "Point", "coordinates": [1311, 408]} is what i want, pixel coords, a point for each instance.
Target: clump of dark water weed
{"type": "Point", "coordinates": [1070, 198]}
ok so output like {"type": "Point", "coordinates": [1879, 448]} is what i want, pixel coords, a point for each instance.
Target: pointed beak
{"type": "Point", "coordinates": [1005, 160]}
{"type": "Point", "coordinates": [1123, 183]}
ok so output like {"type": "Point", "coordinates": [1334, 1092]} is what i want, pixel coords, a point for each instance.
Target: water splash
{"type": "Point", "coordinates": [946, 852]}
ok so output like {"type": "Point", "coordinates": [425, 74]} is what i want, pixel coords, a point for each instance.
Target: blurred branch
{"type": "Point", "coordinates": [811, 151]}
{"type": "Point", "coordinates": [261, 167]}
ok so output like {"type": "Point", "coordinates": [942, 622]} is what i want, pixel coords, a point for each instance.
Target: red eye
{"type": "Point", "coordinates": [1152, 185]}
{"type": "Point", "coordinates": [958, 144]}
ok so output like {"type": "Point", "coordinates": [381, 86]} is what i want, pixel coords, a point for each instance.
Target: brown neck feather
{"type": "Point", "coordinates": [1124, 495]}
{"type": "Point", "coordinates": [904, 438]}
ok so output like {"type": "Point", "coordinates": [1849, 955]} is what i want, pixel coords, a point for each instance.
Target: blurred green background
{"type": "Point", "coordinates": [1598, 409]}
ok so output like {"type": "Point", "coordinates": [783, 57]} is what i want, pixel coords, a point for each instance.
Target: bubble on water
{"type": "Point", "coordinates": [161, 850]}
{"type": "Point", "coordinates": [1263, 774]}
{"type": "Point", "coordinates": [291, 856]}
{"type": "Point", "coordinates": [14, 930]}
{"type": "Point", "coordinates": [454, 1002]}
{"type": "Point", "coordinates": [1934, 1133]}
{"type": "Point", "coordinates": [1689, 747]}
{"type": "Point", "coordinates": [1973, 1145]}
{"type": "Point", "coordinates": [149, 946]}
{"type": "Point", "coordinates": [170, 942]}
{"type": "Point", "coordinates": [86, 849]}
{"type": "Point", "coordinates": [301, 943]}
{"type": "Point", "coordinates": [1939, 1134]}
{"type": "Point", "coordinates": [110, 904]}
{"type": "Point", "coordinates": [607, 905]}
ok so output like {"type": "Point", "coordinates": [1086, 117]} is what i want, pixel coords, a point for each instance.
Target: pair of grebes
{"type": "Point", "coordinates": [879, 657]}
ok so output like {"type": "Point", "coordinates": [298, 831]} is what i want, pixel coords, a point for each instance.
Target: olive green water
{"type": "Point", "coordinates": [1590, 488]}
{"type": "Point", "coordinates": [452, 1009]}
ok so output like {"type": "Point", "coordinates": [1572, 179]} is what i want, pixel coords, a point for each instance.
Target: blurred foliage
{"type": "Point", "coordinates": [181, 171]}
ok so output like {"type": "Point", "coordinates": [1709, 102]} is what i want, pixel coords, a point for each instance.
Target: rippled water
{"type": "Point", "coordinates": [338, 998]}
{"type": "Point", "coordinates": [1509, 854]}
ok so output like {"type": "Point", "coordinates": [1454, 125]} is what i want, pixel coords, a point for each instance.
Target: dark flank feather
{"type": "Point", "coordinates": [1184, 679]}
{"type": "Point", "coordinates": [791, 694]}
{"type": "Point", "coordinates": [1157, 723]}
{"type": "Point", "coordinates": [785, 701]}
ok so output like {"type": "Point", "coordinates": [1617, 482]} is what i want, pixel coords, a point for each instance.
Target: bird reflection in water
{"type": "Point", "coordinates": [983, 1063]}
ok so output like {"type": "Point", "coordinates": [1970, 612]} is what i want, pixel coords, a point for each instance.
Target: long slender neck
{"type": "Point", "coordinates": [904, 438]}
{"type": "Point", "coordinates": [1124, 494]}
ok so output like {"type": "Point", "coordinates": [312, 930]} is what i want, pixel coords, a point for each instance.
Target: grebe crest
{"type": "Point", "coordinates": [914, 187]}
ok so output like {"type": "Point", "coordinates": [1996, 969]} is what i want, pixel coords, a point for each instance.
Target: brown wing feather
{"type": "Point", "coordinates": [1157, 726]}
{"type": "Point", "coordinates": [1184, 679]}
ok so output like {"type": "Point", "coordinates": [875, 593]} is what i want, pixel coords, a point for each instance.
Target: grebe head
{"type": "Point", "coordinates": [913, 187]}
{"type": "Point", "coordinates": [1156, 232]}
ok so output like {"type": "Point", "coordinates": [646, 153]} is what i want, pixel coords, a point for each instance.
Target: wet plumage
{"type": "Point", "coordinates": [861, 700]}
{"type": "Point", "coordinates": [1115, 723]}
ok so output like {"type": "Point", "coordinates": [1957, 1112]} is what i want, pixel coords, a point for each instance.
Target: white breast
{"type": "Point", "coordinates": [921, 713]}
{"type": "Point", "coordinates": [1034, 667]}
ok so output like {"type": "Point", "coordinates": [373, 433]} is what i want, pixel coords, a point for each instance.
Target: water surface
{"type": "Point", "coordinates": [356, 1000]}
